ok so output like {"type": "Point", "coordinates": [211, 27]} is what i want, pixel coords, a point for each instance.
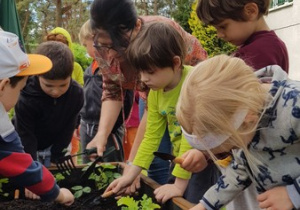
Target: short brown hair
{"type": "Point", "coordinates": [215, 11]}
{"type": "Point", "coordinates": [61, 57]}
{"type": "Point", "coordinates": [155, 46]}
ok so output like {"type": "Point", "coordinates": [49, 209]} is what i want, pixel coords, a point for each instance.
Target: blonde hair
{"type": "Point", "coordinates": [212, 93]}
{"type": "Point", "coordinates": [85, 32]}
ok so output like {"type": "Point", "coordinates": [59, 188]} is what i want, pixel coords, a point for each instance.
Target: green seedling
{"type": "Point", "coordinates": [106, 175]}
{"type": "Point", "coordinates": [80, 190]}
{"type": "Point", "coordinates": [146, 203]}
{"type": "Point", "coordinates": [3, 181]}
{"type": "Point", "coordinates": [59, 177]}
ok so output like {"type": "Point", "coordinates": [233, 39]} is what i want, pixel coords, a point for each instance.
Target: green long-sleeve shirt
{"type": "Point", "coordinates": [161, 113]}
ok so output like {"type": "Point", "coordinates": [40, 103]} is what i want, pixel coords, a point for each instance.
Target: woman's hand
{"type": "Point", "coordinates": [99, 141]}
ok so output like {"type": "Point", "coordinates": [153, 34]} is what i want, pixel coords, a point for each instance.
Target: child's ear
{"type": "Point", "coordinates": [251, 11]}
{"type": "Point", "coordinates": [138, 26]}
{"type": "Point", "coordinates": [251, 118]}
{"type": "Point", "coordinates": [177, 63]}
{"type": "Point", "coordinates": [3, 84]}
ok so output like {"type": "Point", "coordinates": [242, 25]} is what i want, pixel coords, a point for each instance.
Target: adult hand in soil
{"type": "Point", "coordinates": [275, 198]}
{"type": "Point", "coordinates": [65, 197]}
{"type": "Point", "coordinates": [31, 195]}
{"type": "Point", "coordinates": [194, 161]}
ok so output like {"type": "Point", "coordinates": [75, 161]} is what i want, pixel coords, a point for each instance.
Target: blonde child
{"type": "Point", "coordinates": [225, 107]}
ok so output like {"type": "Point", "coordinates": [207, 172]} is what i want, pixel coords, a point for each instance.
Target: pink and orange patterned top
{"type": "Point", "coordinates": [120, 76]}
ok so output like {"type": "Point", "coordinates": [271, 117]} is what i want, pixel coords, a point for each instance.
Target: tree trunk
{"type": "Point", "coordinates": [59, 13]}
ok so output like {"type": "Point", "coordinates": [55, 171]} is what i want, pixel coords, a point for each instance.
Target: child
{"type": "Point", "coordinates": [90, 112]}
{"type": "Point", "coordinates": [242, 23]}
{"type": "Point", "coordinates": [15, 67]}
{"type": "Point", "coordinates": [61, 35]}
{"type": "Point", "coordinates": [159, 61]}
{"type": "Point", "coordinates": [49, 105]}
{"type": "Point", "coordinates": [224, 107]}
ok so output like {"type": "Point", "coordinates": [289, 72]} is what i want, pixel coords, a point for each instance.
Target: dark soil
{"type": "Point", "coordinates": [90, 201]}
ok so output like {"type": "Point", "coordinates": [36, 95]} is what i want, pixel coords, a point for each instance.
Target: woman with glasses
{"type": "Point", "coordinates": [115, 24]}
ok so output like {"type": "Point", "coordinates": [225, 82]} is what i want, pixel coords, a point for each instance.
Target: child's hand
{"type": "Point", "coordinates": [275, 198]}
{"type": "Point", "coordinates": [198, 207]}
{"type": "Point", "coordinates": [65, 197]}
{"type": "Point", "coordinates": [31, 195]}
{"type": "Point", "coordinates": [194, 161]}
{"type": "Point", "coordinates": [166, 192]}
{"type": "Point", "coordinates": [119, 186]}
{"type": "Point", "coordinates": [135, 184]}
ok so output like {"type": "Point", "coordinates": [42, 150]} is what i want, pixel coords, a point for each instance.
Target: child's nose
{"type": "Point", "coordinates": [144, 78]}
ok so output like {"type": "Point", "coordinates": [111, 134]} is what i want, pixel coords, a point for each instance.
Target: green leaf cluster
{"type": "Point", "coordinates": [81, 56]}
{"type": "Point", "coordinates": [80, 190]}
{"type": "Point", "coordinates": [105, 177]}
{"type": "Point", "coordinates": [3, 181]}
{"type": "Point", "coordinates": [207, 35]}
{"type": "Point", "coordinates": [129, 203]}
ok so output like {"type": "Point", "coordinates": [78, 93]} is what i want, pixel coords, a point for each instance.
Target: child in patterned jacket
{"type": "Point", "coordinates": [225, 107]}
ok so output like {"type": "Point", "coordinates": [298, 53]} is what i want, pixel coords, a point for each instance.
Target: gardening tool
{"type": "Point", "coordinates": [91, 168]}
{"type": "Point", "coordinates": [169, 157]}
{"type": "Point", "coordinates": [66, 165]}
{"type": "Point", "coordinates": [97, 199]}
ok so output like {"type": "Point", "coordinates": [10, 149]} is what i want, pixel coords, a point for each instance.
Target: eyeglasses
{"type": "Point", "coordinates": [103, 52]}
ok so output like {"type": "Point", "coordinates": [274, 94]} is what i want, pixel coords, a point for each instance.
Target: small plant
{"type": "Point", "coordinates": [105, 175]}
{"type": "Point", "coordinates": [128, 203]}
{"type": "Point", "coordinates": [80, 190]}
{"type": "Point", "coordinates": [3, 181]}
{"type": "Point", "coordinates": [58, 177]}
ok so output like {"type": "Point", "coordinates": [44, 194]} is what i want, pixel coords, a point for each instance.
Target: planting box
{"type": "Point", "coordinates": [86, 201]}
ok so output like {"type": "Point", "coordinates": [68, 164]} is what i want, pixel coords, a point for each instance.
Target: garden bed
{"type": "Point", "coordinates": [89, 200]}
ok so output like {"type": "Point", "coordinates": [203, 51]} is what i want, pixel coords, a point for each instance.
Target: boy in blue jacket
{"type": "Point", "coordinates": [15, 67]}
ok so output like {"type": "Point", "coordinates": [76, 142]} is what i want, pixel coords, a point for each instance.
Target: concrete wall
{"type": "Point", "coordinates": [285, 21]}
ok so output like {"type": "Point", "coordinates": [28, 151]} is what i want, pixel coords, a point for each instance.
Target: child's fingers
{"type": "Point", "coordinates": [262, 197]}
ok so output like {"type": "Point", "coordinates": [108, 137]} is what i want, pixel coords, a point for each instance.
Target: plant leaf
{"type": "Point", "coordinates": [76, 188]}
{"type": "Point", "coordinates": [129, 202]}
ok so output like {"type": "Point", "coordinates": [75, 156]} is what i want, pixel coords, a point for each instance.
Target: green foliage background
{"type": "Point", "coordinates": [207, 35]}
{"type": "Point", "coordinates": [81, 56]}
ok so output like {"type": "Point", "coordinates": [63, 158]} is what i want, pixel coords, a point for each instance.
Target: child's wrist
{"type": "Point", "coordinates": [60, 198]}
{"type": "Point", "coordinates": [128, 162]}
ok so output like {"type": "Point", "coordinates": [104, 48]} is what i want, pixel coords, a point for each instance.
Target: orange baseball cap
{"type": "Point", "coordinates": [14, 62]}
